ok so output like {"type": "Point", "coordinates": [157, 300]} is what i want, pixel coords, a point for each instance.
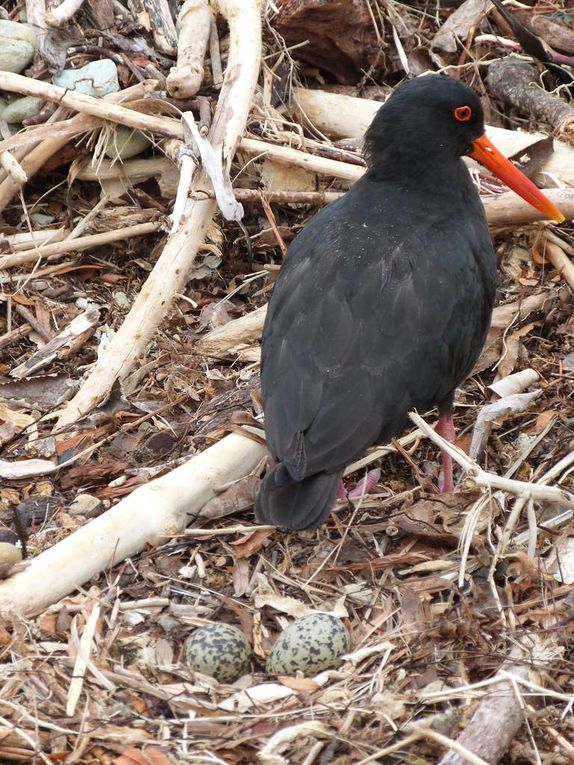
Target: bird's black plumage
{"type": "Point", "coordinates": [382, 303]}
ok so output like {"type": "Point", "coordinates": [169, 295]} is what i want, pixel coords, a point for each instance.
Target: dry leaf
{"type": "Point", "coordinates": [240, 577]}
{"type": "Point", "coordinates": [151, 755]}
{"type": "Point", "coordinates": [543, 419]}
{"type": "Point", "coordinates": [299, 683]}
{"type": "Point", "coordinates": [251, 543]}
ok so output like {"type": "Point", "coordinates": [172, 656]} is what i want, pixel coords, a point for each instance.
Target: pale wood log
{"type": "Point", "coordinates": [340, 116]}
{"type": "Point", "coordinates": [194, 26]}
{"type": "Point", "coordinates": [149, 515]}
{"type": "Point", "coordinates": [234, 335]}
{"type": "Point", "coordinates": [170, 272]}
{"type": "Point", "coordinates": [508, 209]}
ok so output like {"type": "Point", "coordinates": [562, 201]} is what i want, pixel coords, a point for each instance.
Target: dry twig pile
{"type": "Point", "coordinates": [130, 415]}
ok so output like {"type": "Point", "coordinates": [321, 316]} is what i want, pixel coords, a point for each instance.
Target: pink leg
{"type": "Point", "coordinates": [445, 428]}
{"type": "Point", "coordinates": [364, 486]}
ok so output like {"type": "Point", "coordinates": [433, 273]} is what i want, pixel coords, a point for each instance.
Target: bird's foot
{"type": "Point", "coordinates": [362, 487]}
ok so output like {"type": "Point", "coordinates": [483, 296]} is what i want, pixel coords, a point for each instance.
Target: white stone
{"type": "Point", "coordinates": [98, 78]}
{"type": "Point", "coordinates": [85, 505]}
{"type": "Point", "coordinates": [9, 553]}
{"type": "Point", "coordinates": [21, 109]}
{"type": "Point", "coordinates": [17, 45]}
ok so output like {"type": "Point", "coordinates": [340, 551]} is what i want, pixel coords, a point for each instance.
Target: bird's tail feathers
{"type": "Point", "coordinates": [288, 503]}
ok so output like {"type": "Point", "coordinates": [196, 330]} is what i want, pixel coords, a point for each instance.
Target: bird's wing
{"type": "Point", "coordinates": [353, 341]}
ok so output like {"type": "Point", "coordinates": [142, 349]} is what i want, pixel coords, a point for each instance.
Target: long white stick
{"type": "Point", "coordinates": [150, 514]}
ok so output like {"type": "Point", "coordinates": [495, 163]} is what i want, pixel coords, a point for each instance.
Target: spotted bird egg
{"type": "Point", "coordinates": [219, 650]}
{"type": "Point", "coordinates": [310, 645]}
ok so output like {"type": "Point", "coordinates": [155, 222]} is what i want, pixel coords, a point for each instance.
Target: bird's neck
{"type": "Point", "coordinates": [421, 169]}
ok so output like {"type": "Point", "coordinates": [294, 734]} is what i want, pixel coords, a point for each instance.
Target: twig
{"type": "Point", "coordinates": [37, 157]}
{"type": "Point", "coordinates": [104, 109]}
{"type": "Point", "coordinates": [11, 165]}
{"type": "Point", "coordinates": [65, 342]}
{"type": "Point", "coordinates": [502, 709]}
{"type": "Point", "coordinates": [273, 223]}
{"type": "Point", "coordinates": [465, 755]}
{"type": "Point", "coordinates": [284, 155]}
{"type": "Point", "coordinates": [28, 316]}
{"type": "Point", "coordinates": [215, 55]}
{"type": "Point", "coordinates": [15, 334]}
{"type": "Point", "coordinates": [82, 658]}
{"type": "Point", "coordinates": [162, 26]}
{"type": "Point", "coordinates": [560, 261]}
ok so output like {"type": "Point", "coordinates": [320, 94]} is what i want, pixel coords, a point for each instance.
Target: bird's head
{"type": "Point", "coordinates": [433, 120]}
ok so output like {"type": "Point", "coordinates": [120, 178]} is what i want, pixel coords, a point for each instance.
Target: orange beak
{"type": "Point", "coordinates": [488, 155]}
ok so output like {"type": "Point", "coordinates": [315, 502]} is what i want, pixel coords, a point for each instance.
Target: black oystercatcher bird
{"type": "Point", "coordinates": [384, 299]}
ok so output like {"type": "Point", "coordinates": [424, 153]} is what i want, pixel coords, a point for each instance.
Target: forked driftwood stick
{"type": "Point", "coordinates": [149, 515]}
{"type": "Point", "coordinates": [193, 25]}
{"type": "Point", "coordinates": [170, 272]}
{"type": "Point", "coordinates": [490, 481]}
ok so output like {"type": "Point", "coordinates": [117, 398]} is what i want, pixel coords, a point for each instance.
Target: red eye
{"type": "Point", "coordinates": [463, 113]}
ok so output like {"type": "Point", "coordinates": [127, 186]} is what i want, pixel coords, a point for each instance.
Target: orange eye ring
{"type": "Point", "coordinates": [462, 113]}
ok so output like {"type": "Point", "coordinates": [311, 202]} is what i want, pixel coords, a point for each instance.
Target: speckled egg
{"type": "Point", "coordinates": [310, 645]}
{"type": "Point", "coordinates": [220, 651]}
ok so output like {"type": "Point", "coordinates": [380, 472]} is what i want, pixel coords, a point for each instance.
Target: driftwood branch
{"type": "Point", "coordinates": [149, 515]}
{"type": "Point", "coordinates": [59, 16]}
{"type": "Point", "coordinates": [503, 708]}
{"type": "Point", "coordinates": [341, 116]}
{"type": "Point", "coordinates": [170, 272]}
{"type": "Point", "coordinates": [74, 245]}
{"type": "Point", "coordinates": [194, 26]}
{"type": "Point", "coordinates": [234, 335]}
{"type": "Point", "coordinates": [516, 82]}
